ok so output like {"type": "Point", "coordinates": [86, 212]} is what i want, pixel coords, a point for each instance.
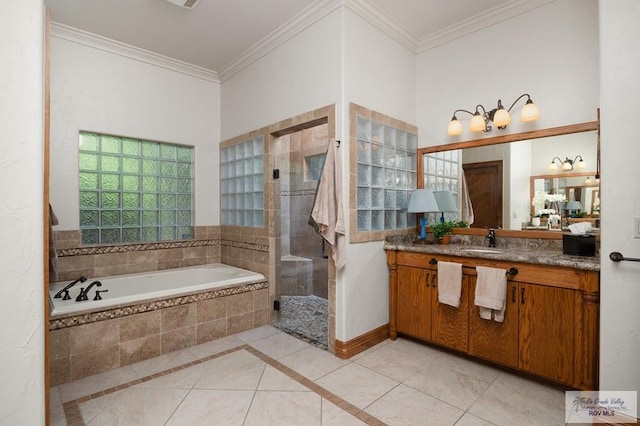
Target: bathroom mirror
{"type": "Point", "coordinates": [500, 174]}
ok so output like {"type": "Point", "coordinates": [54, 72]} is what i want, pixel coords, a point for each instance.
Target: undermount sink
{"type": "Point", "coordinates": [481, 250]}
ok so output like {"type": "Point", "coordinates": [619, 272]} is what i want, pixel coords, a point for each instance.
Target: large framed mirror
{"type": "Point", "coordinates": [497, 178]}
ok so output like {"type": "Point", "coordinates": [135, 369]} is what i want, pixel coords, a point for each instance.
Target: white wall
{"type": "Point", "coordinates": [550, 52]}
{"type": "Point", "coordinates": [300, 75]}
{"type": "Point", "coordinates": [95, 90]}
{"type": "Point", "coordinates": [620, 283]}
{"type": "Point", "coordinates": [21, 210]}
{"type": "Point", "coordinates": [379, 75]}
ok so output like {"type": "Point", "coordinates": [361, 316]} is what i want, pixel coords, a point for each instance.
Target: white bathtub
{"type": "Point", "coordinates": [138, 288]}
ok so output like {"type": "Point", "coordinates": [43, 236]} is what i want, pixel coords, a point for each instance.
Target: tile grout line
{"type": "Point", "coordinates": [73, 415]}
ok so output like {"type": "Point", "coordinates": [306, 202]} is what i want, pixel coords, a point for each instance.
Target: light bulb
{"type": "Point", "coordinates": [477, 123]}
{"type": "Point", "coordinates": [501, 118]}
{"type": "Point", "coordinates": [455, 127]}
{"type": "Point", "coordinates": [529, 112]}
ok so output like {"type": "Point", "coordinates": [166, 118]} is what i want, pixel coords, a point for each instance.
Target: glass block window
{"type": "Point", "coordinates": [385, 174]}
{"type": "Point", "coordinates": [134, 190]}
{"type": "Point", "coordinates": [442, 173]}
{"type": "Point", "coordinates": [242, 183]}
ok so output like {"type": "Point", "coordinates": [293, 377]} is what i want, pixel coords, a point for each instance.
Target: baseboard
{"type": "Point", "coordinates": [361, 343]}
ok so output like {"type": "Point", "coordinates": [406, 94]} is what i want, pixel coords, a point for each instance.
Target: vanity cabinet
{"type": "Point", "coordinates": [551, 319]}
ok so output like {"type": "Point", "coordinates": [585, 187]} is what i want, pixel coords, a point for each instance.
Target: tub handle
{"type": "Point", "coordinates": [97, 296]}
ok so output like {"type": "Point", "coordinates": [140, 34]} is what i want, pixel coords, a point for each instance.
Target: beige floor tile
{"type": "Point", "coordinates": [163, 362]}
{"type": "Point", "coordinates": [212, 407]}
{"type": "Point", "coordinates": [279, 345]}
{"type": "Point", "coordinates": [88, 385]}
{"type": "Point", "coordinates": [412, 347]}
{"type": "Point", "coordinates": [273, 379]}
{"type": "Point", "coordinates": [133, 406]}
{"type": "Point", "coordinates": [515, 400]}
{"type": "Point", "coordinates": [357, 384]}
{"type": "Point", "coordinates": [395, 364]}
{"type": "Point", "coordinates": [313, 362]}
{"type": "Point", "coordinates": [257, 333]}
{"type": "Point", "coordinates": [470, 420]}
{"type": "Point", "coordinates": [284, 408]}
{"type": "Point", "coordinates": [371, 349]}
{"type": "Point", "coordinates": [215, 346]}
{"type": "Point", "coordinates": [454, 380]}
{"type": "Point", "coordinates": [235, 371]}
{"type": "Point", "coordinates": [332, 415]}
{"type": "Point", "coordinates": [407, 406]}
{"type": "Point", "coordinates": [56, 411]}
{"type": "Point", "coordinates": [183, 379]}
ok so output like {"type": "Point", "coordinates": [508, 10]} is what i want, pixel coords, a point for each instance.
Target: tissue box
{"type": "Point", "coordinates": [579, 245]}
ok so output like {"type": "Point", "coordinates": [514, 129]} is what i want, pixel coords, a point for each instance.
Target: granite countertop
{"type": "Point", "coordinates": [534, 255]}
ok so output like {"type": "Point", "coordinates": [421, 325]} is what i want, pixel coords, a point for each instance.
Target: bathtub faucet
{"type": "Point", "coordinates": [65, 290]}
{"type": "Point", "coordinates": [83, 293]}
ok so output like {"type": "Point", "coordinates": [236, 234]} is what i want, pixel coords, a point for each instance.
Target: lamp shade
{"type": "Point", "coordinates": [422, 201]}
{"type": "Point", "coordinates": [574, 205]}
{"type": "Point", "coordinates": [446, 201]}
{"type": "Point", "coordinates": [529, 112]}
{"type": "Point", "coordinates": [501, 118]}
{"type": "Point", "coordinates": [455, 127]}
{"type": "Point", "coordinates": [477, 123]}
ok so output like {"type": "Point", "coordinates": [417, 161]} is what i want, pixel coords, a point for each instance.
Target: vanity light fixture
{"type": "Point", "coordinates": [499, 116]}
{"type": "Point", "coordinates": [568, 164]}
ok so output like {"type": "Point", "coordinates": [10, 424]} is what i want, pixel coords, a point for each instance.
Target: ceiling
{"type": "Point", "coordinates": [217, 32]}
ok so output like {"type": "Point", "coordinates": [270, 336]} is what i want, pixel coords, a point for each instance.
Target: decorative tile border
{"type": "Point", "coordinates": [91, 317]}
{"type": "Point", "coordinates": [74, 416]}
{"type": "Point", "coordinates": [298, 193]}
{"type": "Point", "coordinates": [124, 248]}
{"type": "Point", "coordinates": [245, 245]}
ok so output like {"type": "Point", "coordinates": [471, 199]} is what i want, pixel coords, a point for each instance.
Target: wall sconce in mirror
{"type": "Point", "coordinates": [568, 164]}
{"type": "Point", "coordinates": [422, 201]}
{"type": "Point", "coordinates": [595, 181]}
{"type": "Point", "coordinates": [499, 116]}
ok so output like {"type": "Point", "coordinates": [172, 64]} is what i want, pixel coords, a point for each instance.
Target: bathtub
{"type": "Point", "coordinates": [138, 288]}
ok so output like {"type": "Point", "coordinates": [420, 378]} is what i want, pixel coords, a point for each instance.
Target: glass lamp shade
{"type": "Point", "coordinates": [455, 127]}
{"type": "Point", "coordinates": [422, 201]}
{"type": "Point", "coordinates": [553, 166]}
{"type": "Point", "coordinates": [501, 118]}
{"type": "Point", "coordinates": [581, 164]}
{"type": "Point", "coordinates": [477, 123]}
{"type": "Point", "coordinates": [529, 112]}
{"type": "Point", "coordinates": [566, 166]}
{"type": "Point", "coordinates": [587, 181]}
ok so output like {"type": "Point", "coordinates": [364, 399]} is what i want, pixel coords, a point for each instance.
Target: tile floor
{"type": "Point", "coordinates": [266, 377]}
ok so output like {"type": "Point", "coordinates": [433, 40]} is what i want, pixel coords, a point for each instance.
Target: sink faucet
{"type": "Point", "coordinates": [83, 293]}
{"type": "Point", "coordinates": [65, 290]}
{"type": "Point", "coordinates": [491, 236]}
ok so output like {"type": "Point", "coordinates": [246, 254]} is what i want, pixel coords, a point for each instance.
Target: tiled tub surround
{"type": "Point", "coordinates": [92, 343]}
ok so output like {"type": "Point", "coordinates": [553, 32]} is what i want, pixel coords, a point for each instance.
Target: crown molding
{"type": "Point", "coordinates": [280, 35]}
{"type": "Point", "coordinates": [478, 22]}
{"type": "Point", "coordinates": [367, 12]}
{"type": "Point", "coordinates": [86, 38]}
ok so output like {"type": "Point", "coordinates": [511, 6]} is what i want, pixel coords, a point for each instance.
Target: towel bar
{"type": "Point", "coordinates": [511, 271]}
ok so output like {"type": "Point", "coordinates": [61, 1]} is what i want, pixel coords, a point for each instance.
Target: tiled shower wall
{"type": "Point", "coordinates": [75, 260]}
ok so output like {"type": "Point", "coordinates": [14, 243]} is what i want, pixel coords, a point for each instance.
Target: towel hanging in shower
{"type": "Point", "coordinates": [327, 215]}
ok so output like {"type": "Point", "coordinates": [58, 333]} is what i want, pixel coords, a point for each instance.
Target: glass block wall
{"type": "Point", "coordinates": [442, 173]}
{"type": "Point", "coordinates": [134, 190]}
{"type": "Point", "coordinates": [386, 175]}
{"type": "Point", "coordinates": [242, 183]}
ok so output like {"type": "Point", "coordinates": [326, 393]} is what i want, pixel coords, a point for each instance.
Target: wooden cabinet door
{"type": "Point", "coordinates": [450, 325]}
{"type": "Point", "coordinates": [495, 341]}
{"type": "Point", "coordinates": [414, 302]}
{"type": "Point", "coordinates": [547, 327]}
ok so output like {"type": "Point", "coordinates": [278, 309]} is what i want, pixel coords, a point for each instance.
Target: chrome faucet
{"type": "Point", "coordinates": [83, 293]}
{"type": "Point", "coordinates": [491, 236]}
{"type": "Point", "coordinates": [65, 290]}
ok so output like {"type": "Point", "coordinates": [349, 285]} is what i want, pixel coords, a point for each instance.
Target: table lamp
{"type": "Point", "coordinates": [423, 201]}
{"type": "Point", "coordinates": [446, 202]}
{"type": "Point", "coordinates": [573, 206]}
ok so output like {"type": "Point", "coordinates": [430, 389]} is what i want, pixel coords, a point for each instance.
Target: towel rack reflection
{"type": "Point", "coordinates": [616, 256]}
{"type": "Point", "coordinates": [512, 271]}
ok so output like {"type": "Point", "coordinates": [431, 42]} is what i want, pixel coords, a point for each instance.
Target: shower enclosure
{"type": "Point", "coordinates": [302, 285]}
